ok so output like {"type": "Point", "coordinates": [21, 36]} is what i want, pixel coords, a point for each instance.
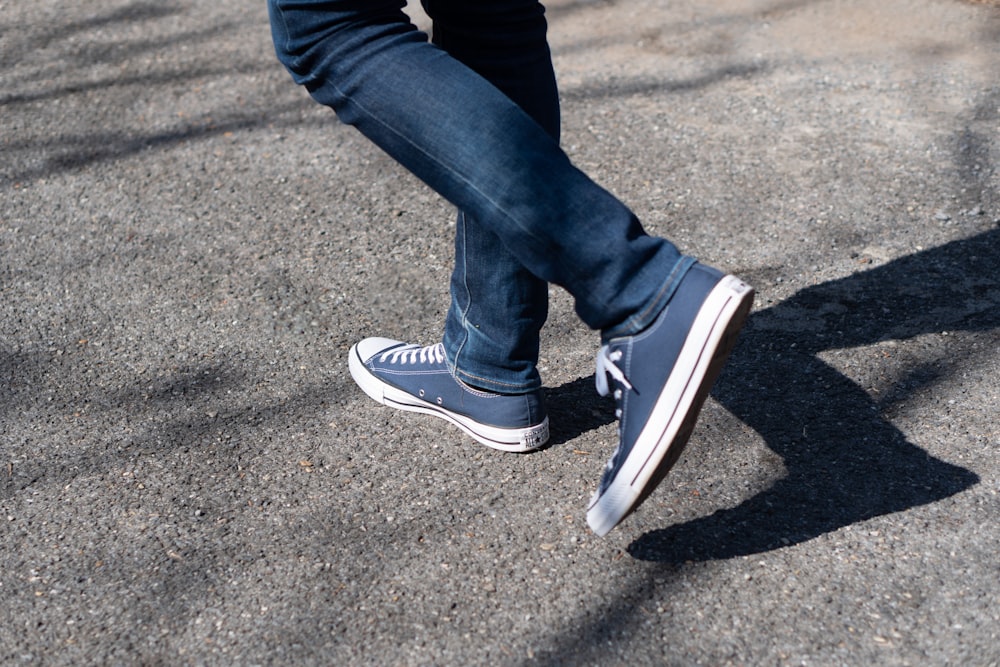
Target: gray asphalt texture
{"type": "Point", "coordinates": [189, 246]}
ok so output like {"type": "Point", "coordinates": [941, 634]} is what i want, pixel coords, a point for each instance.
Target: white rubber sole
{"type": "Point", "coordinates": [504, 439]}
{"type": "Point", "coordinates": [665, 434]}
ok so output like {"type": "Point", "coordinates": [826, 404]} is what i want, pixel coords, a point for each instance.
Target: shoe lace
{"type": "Point", "coordinates": [413, 354]}
{"type": "Point", "coordinates": [607, 364]}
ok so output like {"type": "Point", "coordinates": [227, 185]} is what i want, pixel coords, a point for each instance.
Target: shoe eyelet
{"type": "Point", "coordinates": [421, 392]}
{"type": "Point", "coordinates": [440, 400]}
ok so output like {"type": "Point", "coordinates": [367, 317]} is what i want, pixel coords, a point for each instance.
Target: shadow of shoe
{"type": "Point", "coordinates": [845, 461]}
{"type": "Point", "coordinates": [575, 408]}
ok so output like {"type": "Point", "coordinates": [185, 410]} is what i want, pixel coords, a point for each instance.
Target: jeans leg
{"type": "Point", "coordinates": [469, 142]}
{"type": "Point", "coordinates": [491, 333]}
{"type": "Point", "coordinates": [498, 307]}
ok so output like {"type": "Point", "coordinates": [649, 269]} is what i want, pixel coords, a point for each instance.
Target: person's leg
{"type": "Point", "coordinates": [667, 325]}
{"type": "Point", "coordinates": [477, 148]}
{"type": "Point", "coordinates": [498, 306]}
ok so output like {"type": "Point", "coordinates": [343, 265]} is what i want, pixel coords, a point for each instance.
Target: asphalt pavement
{"type": "Point", "coordinates": [189, 246]}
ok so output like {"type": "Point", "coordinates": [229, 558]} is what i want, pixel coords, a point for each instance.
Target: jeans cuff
{"type": "Point", "coordinates": [646, 316]}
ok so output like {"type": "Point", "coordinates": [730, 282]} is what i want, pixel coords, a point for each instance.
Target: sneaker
{"type": "Point", "coordinates": [418, 379]}
{"type": "Point", "coordinates": [660, 378]}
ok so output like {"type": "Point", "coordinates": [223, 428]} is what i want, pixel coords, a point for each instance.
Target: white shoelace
{"type": "Point", "coordinates": [607, 364]}
{"type": "Point", "coordinates": [412, 354]}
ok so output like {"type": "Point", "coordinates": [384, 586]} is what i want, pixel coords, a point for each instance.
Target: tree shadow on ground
{"type": "Point", "coordinates": [102, 65]}
{"type": "Point", "coordinates": [845, 461]}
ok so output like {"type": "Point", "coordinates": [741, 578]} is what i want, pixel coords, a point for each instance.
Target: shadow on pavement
{"type": "Point", "coordinates": [845, 461]}
{"type": "Point", "coordinates": [574, 409]}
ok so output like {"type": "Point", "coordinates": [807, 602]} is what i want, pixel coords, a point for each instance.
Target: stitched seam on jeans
{"type": "Point", "coordinates": [468, 294]}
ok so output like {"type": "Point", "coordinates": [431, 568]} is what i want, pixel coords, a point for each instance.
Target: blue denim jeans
{"type": "Point", "coordinates": [475, 115]}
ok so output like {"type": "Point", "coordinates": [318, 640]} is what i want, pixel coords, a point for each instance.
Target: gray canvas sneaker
{"type": "Point", "coordinates": [418, 379]}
